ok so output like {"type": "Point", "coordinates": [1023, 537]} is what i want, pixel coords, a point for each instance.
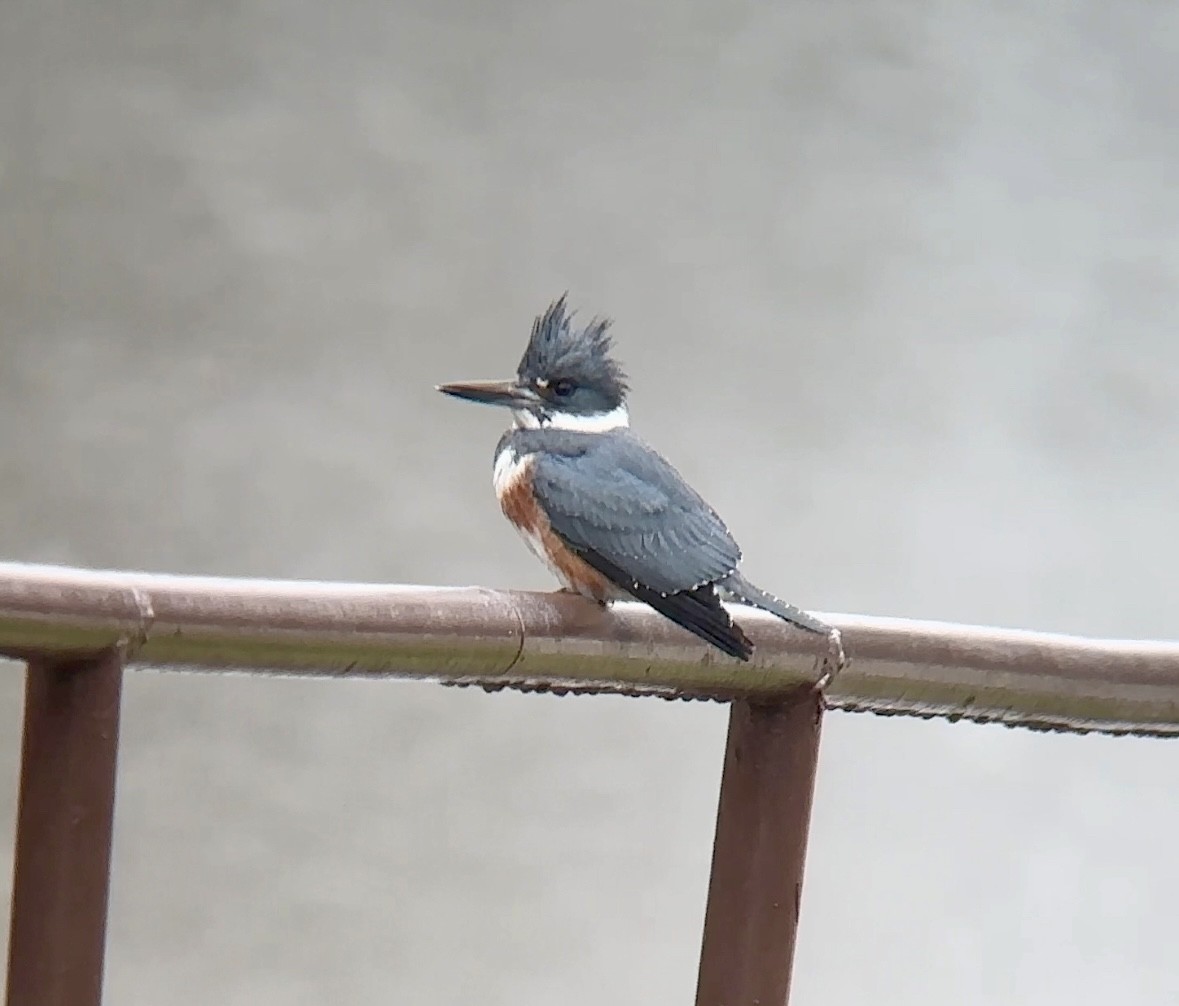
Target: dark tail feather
{"type": "Point", "coordinates": [699, 611]}
{"type": "Point", "coordinates": [744, 591]}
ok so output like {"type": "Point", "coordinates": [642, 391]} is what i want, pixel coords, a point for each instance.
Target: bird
{"type": "Point", "coordinates": [607, 513]}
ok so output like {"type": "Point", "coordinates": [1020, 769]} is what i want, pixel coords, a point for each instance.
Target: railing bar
{"type": "Point", "coordinates": [61, 875]}
{"type": "Point", "coordinates": [763, 817]}
{"type": "Point", "coordinates": [475, 636]}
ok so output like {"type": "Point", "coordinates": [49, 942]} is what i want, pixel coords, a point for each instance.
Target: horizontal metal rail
{"type": "Point", "coordinates": [561, 643]}
{"type": "Point", "coordinates": [77, 629]}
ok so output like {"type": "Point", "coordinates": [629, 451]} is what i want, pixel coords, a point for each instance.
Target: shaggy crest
{"type": "Point", "coordinates": [558, 350]}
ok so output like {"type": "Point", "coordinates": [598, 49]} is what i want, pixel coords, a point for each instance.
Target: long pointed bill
{"type": "Point", "coordinates": [509, 393]}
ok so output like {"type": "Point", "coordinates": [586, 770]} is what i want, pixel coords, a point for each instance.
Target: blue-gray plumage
{"type": "Point", "coordinates": [611, 494]}
{"type": "Point", "coordinates": [605, 511]}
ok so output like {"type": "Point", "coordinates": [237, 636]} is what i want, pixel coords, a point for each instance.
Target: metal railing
{"type": "Point", "coordinates": [77, 630]}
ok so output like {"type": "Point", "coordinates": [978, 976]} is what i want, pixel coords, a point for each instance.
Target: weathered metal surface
{"type": "Point", "coordinates": [555, 642]}
{"type": "Point", "coordinates": [63, 840]}
{"type": "Point", "coordinates": [755, 893]}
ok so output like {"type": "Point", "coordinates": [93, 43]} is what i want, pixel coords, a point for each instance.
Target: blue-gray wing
{"type": "Point", "coordinates": [620, 500]}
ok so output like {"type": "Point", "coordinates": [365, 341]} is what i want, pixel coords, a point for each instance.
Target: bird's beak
{"type": "Point", "coordinates": [512, 394]}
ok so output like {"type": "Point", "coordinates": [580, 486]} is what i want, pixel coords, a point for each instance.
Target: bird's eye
{"type": "Point", "coordinates": [563, 387]}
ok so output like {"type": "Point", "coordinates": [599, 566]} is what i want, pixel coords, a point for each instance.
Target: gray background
{"type": "Point", "coordinates": [896, 284]}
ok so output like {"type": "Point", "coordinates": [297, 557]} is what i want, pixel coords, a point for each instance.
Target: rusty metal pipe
{"type": "Point", "coordinates": [755, 893]}
{"type": "Point", "coordinates": [61, 875]}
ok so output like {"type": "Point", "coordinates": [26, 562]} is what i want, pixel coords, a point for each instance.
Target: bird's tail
{"type": "Point", "coordinates": [698, 610]}
{"type": "Point", "coordinates": [742, 590]}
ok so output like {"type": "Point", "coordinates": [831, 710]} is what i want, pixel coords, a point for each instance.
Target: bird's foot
{"type": "Point", "coordinates": [577, 593]}
{"type": "Point", "coordinates": [833, 662]}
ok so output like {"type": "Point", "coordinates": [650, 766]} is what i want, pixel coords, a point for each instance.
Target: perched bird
{"type": "Point", "coordinates": [606, 513]}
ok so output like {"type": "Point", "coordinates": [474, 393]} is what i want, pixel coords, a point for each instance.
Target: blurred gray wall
{"type": "Point", "coordinates": [897, 287]}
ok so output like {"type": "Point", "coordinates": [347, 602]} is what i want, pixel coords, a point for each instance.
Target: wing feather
{"type": "Point", "coordinates": [621, 500]}
{"type": "Point", "coordinates": [699, 610]}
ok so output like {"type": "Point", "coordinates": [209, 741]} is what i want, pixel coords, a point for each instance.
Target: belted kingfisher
{"type": "Point", "coordinates": [606, 513]}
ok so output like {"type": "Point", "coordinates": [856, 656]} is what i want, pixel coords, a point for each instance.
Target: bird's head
{"type": "Point", "coordinates": [567, 378]}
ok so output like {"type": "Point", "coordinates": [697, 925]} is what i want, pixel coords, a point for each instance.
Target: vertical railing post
{"type": "Point", "coordinates": [61, 875]}
{"type": "Point", "coordinates": [757, 860]}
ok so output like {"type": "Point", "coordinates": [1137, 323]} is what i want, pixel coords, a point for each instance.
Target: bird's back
{"type": "Point", "coordinates": [614, 495]}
